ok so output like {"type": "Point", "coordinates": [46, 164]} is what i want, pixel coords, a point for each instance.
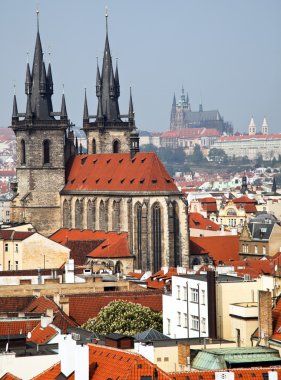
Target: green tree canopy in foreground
{"type": "Point", "coordinates": [124, 318]}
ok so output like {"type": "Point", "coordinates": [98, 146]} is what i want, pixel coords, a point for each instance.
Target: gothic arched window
{"type": "Point", "coordinates": [116, 216]}
{"type": "Point", "coordinates": [78, 214]}
{"type": "Point", "coordinates": [138, 218]}
{"type": "Point", "coordinates": [103, 226]}
{"type": "Point", "coordinates": [156, 237]}
{"type": "Point", "coordinates": [91, 215]}
{"type": "Point", "coordinates": [66, 214]}
{"type": "Point", "coordinates": [22, 152]}
{"type": "Point", "coordinates": [46, 152]}
{"type": "Point", "coordinates": [94, 146]}
{"type": "Point", "coordinates": [116, 146]}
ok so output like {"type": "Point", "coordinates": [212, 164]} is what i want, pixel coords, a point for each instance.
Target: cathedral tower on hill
{"type": "Point", "coordinates": [44, 144]}
{"type": "Point", "coordinates": [108, 133]}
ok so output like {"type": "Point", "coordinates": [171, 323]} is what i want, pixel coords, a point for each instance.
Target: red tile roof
{"type": "Point", "coordinates": [14, 235]}
{"type": "Point", "coordinates": [192, 133]}
{"type": "Point", "coordinates": [17, 326]}
{"type": "Point", "coordinates": [9, 376]}
{"type": "Point", "coordinates": [84, 307]}
{"type": "Point", "coordinates": [220, 248]}
{"type": "Point", "coordinates": [111, 244]}
{"type": "Point", "coordinates": [118, 172]}
{"type": "Point", "coordinates": [197, 220]}
{"type": "Point", "coordinates": [60, 320]}
{"type": "Point", "coordinates": [111, 363]}
{"type": "Point", "coordinates": [159, 279]}
{"type": "Point", "coordinates": [14, 304]}
{"type": "Point", "coordinates": [40, 335]}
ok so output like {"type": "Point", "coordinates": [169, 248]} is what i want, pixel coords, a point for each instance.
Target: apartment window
{"type": "Point", "coordinates": [194, 322]}
{"type": "Point", "coordinates": [263, 250]}
{"type": "Point", "coordinates": [168, 326]}
{"type": "Point", "coordinates": [256, 249]}
{"type": "Point", "coordinates": [17, 248]}
{"type": "Point", "coordinates": [9, 265]}
{"type": "Point", "coordinates": [203, 324]}
{"type": "Point", "coordinates": [203, 297]}
{"type": "Point", "coordinates": [17, 265]}
{"type": "Point", "coordinates": [194, 295]}
{"type": "Point", "coordinates": [179, 318]}
{"type": "Point", "coordinates": [246, 248]}
{"type": "Point", "coordinates": [178, 292]}
{"type": "Point", "coordinates": [166, 359]}
{"type": "Point", "coordinates": [159, 359]}
{"type": "Point", "coordinates": [184, 293]}
{"type": "Point", "coordinates": [6, 247]}
{"type": "Point", "coordinates": [185, 320]}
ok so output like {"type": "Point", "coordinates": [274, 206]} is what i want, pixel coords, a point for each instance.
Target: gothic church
{"type": "Point", "coordinates": [113, 187]}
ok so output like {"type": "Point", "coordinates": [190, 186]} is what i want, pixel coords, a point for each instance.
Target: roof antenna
{"type": "Point", "coordinates": [106, 17]}
{"type": "Point", "coordinates": [37, 13]}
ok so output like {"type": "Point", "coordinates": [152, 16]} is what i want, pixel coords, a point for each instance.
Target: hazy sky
{"type": "Point", "coordinates": [227, 51]}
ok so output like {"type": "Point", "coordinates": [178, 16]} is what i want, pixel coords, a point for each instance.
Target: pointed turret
{"type": "Point", "coordinates": [86, 112]}
{"type": "Point", "coordinates": [244, 187]}
{"type": "Point", "coordinates": [131, 115]}
{"type": "Point", "coordinates": [264, 127]}
{"type": "Point", "coordinates": [182, 96]}
{"type": "Point", "coordinates": [117, 85]}
{"type": "Point", "coordinates": [173, 113]}
{"type": "Point", "coordinates": [50, 80]}
{"type": "Point", "coordinates": [43, 80]}
{"type": "Point", "coordinates": [63, 113]}
{"type": "Point", "coordinates": [252, 127]}
{"type": "Point", "coordinates": [15, 109]}
{"type": "Point", "coordinates": [28, 80]}
{"type": "Point", "coordinates": [28, 114]}
{"type": "Point", "coordinates": [100, 116]}
{"type": "Point", "coordinates": [98, 83]}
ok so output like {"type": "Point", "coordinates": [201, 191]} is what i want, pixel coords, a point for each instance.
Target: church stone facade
{"type": "Point", "coordinates": [113, 187]}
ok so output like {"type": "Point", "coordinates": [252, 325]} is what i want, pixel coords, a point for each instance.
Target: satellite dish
{"type": "Point", "coordinates": [29, 335]}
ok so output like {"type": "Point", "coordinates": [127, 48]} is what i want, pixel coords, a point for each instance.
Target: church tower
{"type": "Point", "coordinates": [252, 127]}
{"type": "Point", "coordinates": [264, 127]}
{"type": "Point", "coordinates": [108, 133]}
{"type": "Point", "coordinates": [44, 143]}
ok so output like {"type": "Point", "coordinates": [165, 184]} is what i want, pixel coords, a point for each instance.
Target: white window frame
{"type": "Point", "coordinates": [195, 322]}
{"type": "Point", "coordinates": [194, 295]}
{"type": "Point", "coordinates": [179, 318]}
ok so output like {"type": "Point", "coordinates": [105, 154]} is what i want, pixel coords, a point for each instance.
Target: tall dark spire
{"type": "Point", "coordinates": [117, 85]}
{"type": "Point", "coordinates": [131, 115]}
{"type": "Point", "coordinates": [15, 108]}
{"type": "Point", "coordinates": [107, 86]}
{"type": "Point", "coordinates": [63, 113]}
{"type": "Point", "coordinates": [28, 80]}
{"type": "Point", "coordinates": [86, 112]}
{"type": "Point", "coordinates": [50, 80]}
{"type": "Point", "coordinates": [41, 103]}
{"type": "Point", "coordinates": [98, 82]}
{"type": "Point", "coordinates": [28, 113]}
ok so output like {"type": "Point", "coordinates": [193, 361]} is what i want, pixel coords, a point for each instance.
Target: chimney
{"type": "Point", "coordinates": [82, 362]}
{"type": "Point", "coordinates": [67, 348]}
{"type": "Point", "coordinates": [265, 317]}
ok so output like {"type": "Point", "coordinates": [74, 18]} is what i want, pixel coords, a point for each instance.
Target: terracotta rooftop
{"type": "Point", "coordinates": [90, 243]}
{"type": "Point", "coordinates": [118, 172]}
{"type": "Point", "coordinates": [252, 137]}
{"type": "Point", "coordinates": [192, 133]}
{"type": "Point", "coordinates": [17, 326]}
{"type": "Point", "coordinates": [9, 376]}
{"type": "Point", "coordinates": [14, 235]}
{"type": "Point", "coordinates": [220, 248]}
{"type": "Point", "coordinates": [197, 220]}
{"type": "Point", "coordinates": [84, 307]}
{"type": "Point", "coordinates": [41, 335]}
{"type": "Point", "coordinates": [14, 304]}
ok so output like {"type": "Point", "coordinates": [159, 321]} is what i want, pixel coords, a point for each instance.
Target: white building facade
{"type": "Point", "coordinates": [185, 310]}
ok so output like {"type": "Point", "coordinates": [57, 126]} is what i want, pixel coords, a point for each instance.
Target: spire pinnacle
{"type": "Point", "coordinates": [86, 111]}
{"type": "Point", "coordinates": [131, 115]}
{"type": "Point", "coordinates": [37, 16]}
{"type": "Point", "coordinates": [106, 22]}
{"type": "Point", "coordinates": [15, 107]}
{"type": "Point", "coordinates": [63, 113]}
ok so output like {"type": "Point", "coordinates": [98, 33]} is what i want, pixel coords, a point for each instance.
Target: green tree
{"type": "Point", "coordinates": [124, 318]}
{"type": "Point", "coordinates": [197, 155]}
{"type": "Point", "coordinates": [149, 148]}
{"type": "Point", "coordinates": [217, 155]}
